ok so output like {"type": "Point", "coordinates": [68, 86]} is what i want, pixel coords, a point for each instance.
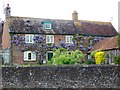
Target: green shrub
{"type": "Point", "coordinates": [90, 61]}
{"type": "Point", "coordinates": [117, 59]}
{"type": "Point", "coordinates": [92, 54]}
{"type": "Point", "coordinates": [63, 56]}
{"type": "Point", "coordinates": [118, 38]}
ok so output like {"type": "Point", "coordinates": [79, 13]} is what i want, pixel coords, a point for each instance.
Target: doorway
{"type": "Point", "coordinates": [49, 55]}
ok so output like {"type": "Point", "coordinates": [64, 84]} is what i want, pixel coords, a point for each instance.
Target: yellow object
{"type": "Point", "coordinates": [99, 57]}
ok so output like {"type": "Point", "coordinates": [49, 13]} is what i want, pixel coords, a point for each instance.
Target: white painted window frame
{"type": "Point", "coordinates": [69, 39]}
{"type": "Point", "coordinates": [33, 56]}
{"type": "Point", "coordinates": [49, 38]}
{"type": "Point", "coordinates": [29, 38]}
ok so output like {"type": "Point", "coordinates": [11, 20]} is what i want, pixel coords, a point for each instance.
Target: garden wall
{"type": "Point", "coordinates": [71, 76]}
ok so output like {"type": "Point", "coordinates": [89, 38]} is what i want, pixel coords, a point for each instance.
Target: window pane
{"type": "Point", "coordinates": [51, 39]}
{"type": "Point", "coordinates": [33, 57]}
{"type": "Point", "coordinates": [71, 39]}
{"type": "Point", "coordinates": [67, 39]}
{"type": "Point", "coordinates": [47, 39]}
{"type": "Point", "coordinates": [27, 38]}
{"type": "Point", "coordinates": [47, 25]}
{"type": "Point", "coordinates": [29, 56]}
{"type": "Point", "coordinates": [31, 38]}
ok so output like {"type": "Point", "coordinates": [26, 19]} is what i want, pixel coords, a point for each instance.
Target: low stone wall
{"type": "Point", "coordinates": [71, 76]}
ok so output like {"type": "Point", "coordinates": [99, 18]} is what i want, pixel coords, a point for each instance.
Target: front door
{"type": "Point", "coordinates": [49, 55]}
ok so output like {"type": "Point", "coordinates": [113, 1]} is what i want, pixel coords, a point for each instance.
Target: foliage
{"type": "Point", "coordinates": [90, 61]}
{"type": "Point", "coordinates": [82, 43]}
{"type": "Point", "coordinates": [85, 43]}
{"type": "Point", "coordinates": [99, 57]}
{"type": "Point", "coordinates": [92, 54]}
{"type": "Point", "coordinates": [63, 56]}
{"type": "Point", "coordinates": [117, 59]}
{"type": "Point", "coordinates": [118, 41]}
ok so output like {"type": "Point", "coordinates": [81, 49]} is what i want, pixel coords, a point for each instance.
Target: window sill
{"type": "Point", "coordinates": [30, 60]}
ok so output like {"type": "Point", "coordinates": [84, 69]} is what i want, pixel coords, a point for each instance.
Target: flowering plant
{"type": "Point", "coordinates": [99, 57]}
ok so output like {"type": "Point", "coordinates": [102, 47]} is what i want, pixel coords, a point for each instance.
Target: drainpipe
{"type": "Point", "coordinates": [10, 56]}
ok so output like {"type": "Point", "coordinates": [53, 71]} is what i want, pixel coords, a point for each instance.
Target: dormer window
{"type": "Point", "coordinates": [47, 25]}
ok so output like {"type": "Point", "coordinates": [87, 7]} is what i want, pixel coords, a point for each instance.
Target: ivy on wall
{"type": "Point", "coordinates": [82, 43]}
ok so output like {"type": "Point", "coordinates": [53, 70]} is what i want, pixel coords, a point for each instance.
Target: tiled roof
{"type": "Point", "coordinates": [1, 31]}
{"type": "Point", "coordinates": [35, 25]}
{"type": "Point", "coordinates": [106, 44]}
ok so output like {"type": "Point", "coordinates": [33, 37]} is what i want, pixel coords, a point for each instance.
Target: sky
{"type": "Point", "coordinates": [93, 10]}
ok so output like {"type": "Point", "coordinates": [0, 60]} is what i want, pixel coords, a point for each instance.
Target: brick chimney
{"type": "Point", "coordinates": [75, 16]}
{"type": "Point", "coordinates": [7, 11]}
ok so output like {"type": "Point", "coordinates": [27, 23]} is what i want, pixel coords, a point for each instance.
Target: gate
{"type": "Point", "coordinates": [6, 56]}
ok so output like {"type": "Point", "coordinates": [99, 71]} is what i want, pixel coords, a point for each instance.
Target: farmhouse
{"type": "Point", "coordinates": [33, 40]}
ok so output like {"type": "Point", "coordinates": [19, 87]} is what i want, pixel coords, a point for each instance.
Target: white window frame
{"type": "Point", "coordinates": [47, 26]}
{"type": "Point", "coordinates": [69, 39]}
{"type": "Point", "coordinates": [33, 56]}
{"type": "Point", "coordinates": [49, 38]}
{"type": "Point", "coordinates": [29, 38]}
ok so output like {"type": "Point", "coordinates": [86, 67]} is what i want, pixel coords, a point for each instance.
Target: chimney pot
{"type": "Point", "coordinates": [8, 11]}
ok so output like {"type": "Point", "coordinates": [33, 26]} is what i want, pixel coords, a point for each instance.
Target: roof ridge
{"type": "Point", "coordinates": [98, 22]}
{"type": "Point", "coordinates": [88, 21]}
{"type": "Point", "coordinates": [40, 18]}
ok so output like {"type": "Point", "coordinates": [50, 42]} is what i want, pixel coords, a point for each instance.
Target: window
{"type": "Point", "coordinates": [29, 56]}
{"type": "Point", "coordinates": [29, 38]}
{"type": "Point", "coordinates": [49, 38]}
{"type": "Point", "coordinates": [47, 26]}
{"type": "Point", "coordinates": [69, 39]}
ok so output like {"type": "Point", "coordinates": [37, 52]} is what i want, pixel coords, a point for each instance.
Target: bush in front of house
{"type": "Point", "coordinates": [63, 56]}
{"type": "Point", "coordinates": [99, 57]}
{"type": "Point", "coordinates": [90, 61]}
{"type": "Point", "coordinates": [92, 54]}
{"type": "Point", "coordinates": [117, 59]}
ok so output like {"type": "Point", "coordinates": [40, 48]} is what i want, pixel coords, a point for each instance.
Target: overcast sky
{"type": "Point", "coordinates": [94, 10]}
